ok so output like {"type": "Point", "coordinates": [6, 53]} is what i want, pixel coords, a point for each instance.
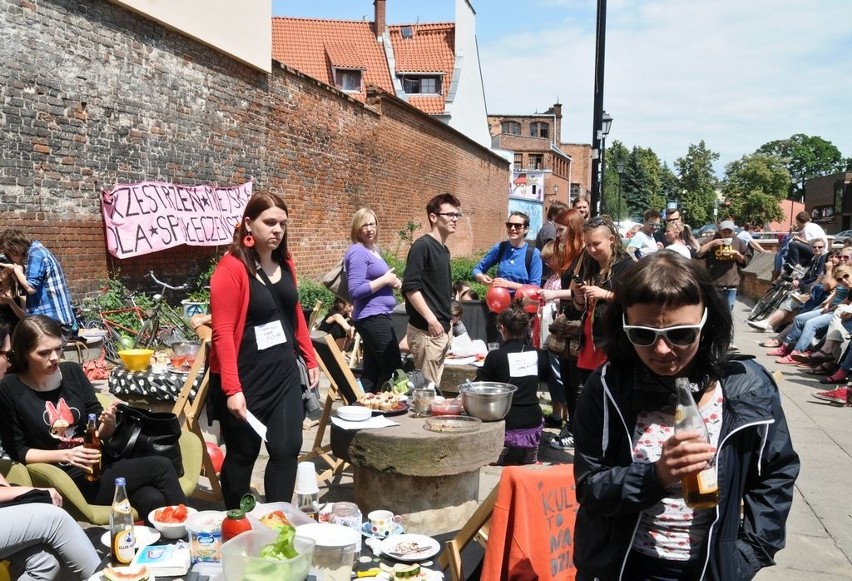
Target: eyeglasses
{"type": "Point", "coordinates": [844, 257]}
{"type": "Point", "coordinates": [680, 335]}
{"type": "Point", "coordinates": [515, 226]}
{"type": "Point", "coordinates": [368, 225]}
{"type": "Point", "coordinates": [845, 276]}
{"type": "Point", "coordinates": [450, 215]}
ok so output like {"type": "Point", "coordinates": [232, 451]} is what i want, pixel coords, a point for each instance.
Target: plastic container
{"type": "Point", "coordinates": [136, 359]}
{"type": "Point", "coordinates": [240, 557]}
{"type": "Point", "coordinates": [336, 547]}
{"type": "Point", "coordinates": [205, 536]}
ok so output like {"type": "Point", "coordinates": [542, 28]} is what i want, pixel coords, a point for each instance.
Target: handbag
{"type": "Point", "coordinates": [564, 336]}
{"type": "Point", "coordinates": [140, 433]}
{"type": "Point", "coordinates": [337, 282]}
{"type": "Point", "coordinates": [310, 396]}
{"type": "Point", "coordinates": [34, 495]}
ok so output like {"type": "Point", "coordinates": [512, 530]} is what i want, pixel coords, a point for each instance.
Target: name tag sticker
{"type": "Point", "coordinates": [523, 364]}
{"type": "Point", "coordinates": [269, 335]}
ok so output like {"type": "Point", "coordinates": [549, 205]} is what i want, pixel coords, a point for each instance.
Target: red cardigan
{"type": "Point", "coordinates": [229, 297]}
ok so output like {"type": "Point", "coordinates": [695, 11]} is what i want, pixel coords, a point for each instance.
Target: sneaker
{"type": "Point", "coordinates": [563, 441]}
{"type": "Point", "coordinates": [838, 376]}
{"type": "Point", "coordinates": [836, 396]}
{"type": "Point", "coordinates": [781, 351]}
{"type": "Point", "coordinates": [759, 325]}
{"type": "Point", "coordinates": [788, 359]}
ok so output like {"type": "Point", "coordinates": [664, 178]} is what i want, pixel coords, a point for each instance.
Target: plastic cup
{"type": "Point", "coordinates": [306, 478]}
{"type": "Point", "coordinates": [493, 346]}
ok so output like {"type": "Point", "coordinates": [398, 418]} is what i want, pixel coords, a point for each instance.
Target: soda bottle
{"type": "Point", "coordinates": [700, 490]}
{"type": "Point", "coordinates": [92, 440]}
{"type": "Point", "coordinates": [121, 534]}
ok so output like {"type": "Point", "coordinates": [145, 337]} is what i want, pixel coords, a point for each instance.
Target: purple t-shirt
{"type": "Point", "coordinates": [363, 267]}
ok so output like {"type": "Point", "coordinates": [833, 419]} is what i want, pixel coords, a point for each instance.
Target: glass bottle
{"type": "Point", "coordinates": [92, 441]}
{"type": "Point", "coordinates": [700, 490]}
{"type": "Point", "coordinates": [122, 536]}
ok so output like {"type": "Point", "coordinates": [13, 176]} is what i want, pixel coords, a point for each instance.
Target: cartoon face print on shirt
{"type": "Point", "coordinates": [62, 421]}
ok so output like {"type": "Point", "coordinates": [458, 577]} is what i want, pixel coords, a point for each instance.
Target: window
{"type": "Point", "coordinates": [429, 85]}
{"type": "Point", "coordinates": [510, 127]}
{"type": "Point", "coordinates": [575, 190]}
{"type": "Point", "coordinates": [539, 130]}
{"type": "Point", "coordinates": [519, 160]}
{"type": "Point", "coordinates": [536, 161]}
{"type": "Point", "coordinates": [347, 80]}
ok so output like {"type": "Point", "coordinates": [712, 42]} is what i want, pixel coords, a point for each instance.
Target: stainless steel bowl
{"type": "Point", "coordinates": [487, 400]}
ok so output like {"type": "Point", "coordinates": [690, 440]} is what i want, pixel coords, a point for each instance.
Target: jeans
{"type": "Point", "coordinates": [42, 539]}
{"type": "Point", "coordinates": [381, 351]}
{"type": "Point", "coordinates": [799, 253]}
{"type": "Point", "coordinates": [805, 328]}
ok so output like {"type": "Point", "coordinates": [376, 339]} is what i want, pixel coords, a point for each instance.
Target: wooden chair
{"type": "Point", "coordinates": [313, 321]}
{"type": "Point", "coordinates": [342, 384]}
{"type": "Point", "coordinates": [475, 529]}
{"type": "Point", "coordinates": [191, 410]}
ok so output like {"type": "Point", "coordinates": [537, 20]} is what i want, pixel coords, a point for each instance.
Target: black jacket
{"type": "Point", "coordinates": [756, 464]}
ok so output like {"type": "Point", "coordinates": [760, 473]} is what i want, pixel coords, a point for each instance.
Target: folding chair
{"type": "Point", "coordinates": [342, 384]}
{"type": "Point", "coordinates": [313, 321]}
{"type": "Point", "coordinates": [475, 529]}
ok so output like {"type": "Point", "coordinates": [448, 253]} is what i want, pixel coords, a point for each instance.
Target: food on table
{"type": "Point", "coordinates": [282, 549]}
{"type": "Point", "coordinates": [128, 573]}
{"type": "Point", "coordinates": [275, 520]}
{"type": "Point", "coordinates": [385, 401]}
{"type": "Point", "coordinates": [171, 514]}
{"type": "Point", "coordinates": [406, 571]}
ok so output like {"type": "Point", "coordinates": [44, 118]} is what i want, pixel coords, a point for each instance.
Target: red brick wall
{"type": "Point", "coordinates": [113, 98]}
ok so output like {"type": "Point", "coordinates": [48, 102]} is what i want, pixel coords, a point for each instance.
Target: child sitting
{"type": "Point", "coordinates": [338, 324]}
{"type": "Point", "coordinates": [517, 363]}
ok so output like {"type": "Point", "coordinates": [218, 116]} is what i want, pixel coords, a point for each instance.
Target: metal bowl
{"type": "Point", "coordinates": [487, 400]}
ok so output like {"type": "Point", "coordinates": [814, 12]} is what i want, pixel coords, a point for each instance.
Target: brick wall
{"type": "Point", "coordinates": [92, 95]}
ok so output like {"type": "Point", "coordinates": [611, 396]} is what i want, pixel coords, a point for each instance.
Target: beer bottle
{"type": "Point", "coordinates": [121, 534]}
{"type": "Point", "coordinates": [700, 490]}
{"type": "Point", "coordinates": [92, 440]}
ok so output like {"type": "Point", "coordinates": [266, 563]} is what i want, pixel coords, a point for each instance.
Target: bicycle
{"type": "Point", "coordinates": [116, 326]}
{"type": "Point", "coordinates": [773, 297]}
{"type": "Point", "coordinates": [164, 324]}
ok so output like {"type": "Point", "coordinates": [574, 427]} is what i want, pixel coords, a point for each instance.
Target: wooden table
{"type": "Point", "coordinates": [430, 478]}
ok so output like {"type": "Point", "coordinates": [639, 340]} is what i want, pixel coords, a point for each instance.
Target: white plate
{"type": "Point", "coordinates": [459, 361]}
{"type": "Point", "coordinates": [144, 536]}
{"type": "Point", "coordinates": [99, 577]}
{"type": "Point", "coordinates": [432, 547]}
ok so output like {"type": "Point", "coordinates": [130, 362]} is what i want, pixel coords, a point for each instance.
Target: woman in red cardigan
{"type": "Point", "coordinates": [253, 357]}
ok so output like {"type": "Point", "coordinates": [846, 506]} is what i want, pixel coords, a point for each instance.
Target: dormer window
{"type": "Point", "coordinates": [348, 80]}
{"type": "Point", "coordinates": [421, 84]}
{"type": "Point", "coordinates": [539, 130]}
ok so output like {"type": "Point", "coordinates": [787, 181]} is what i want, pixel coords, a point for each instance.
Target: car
{"type": "Point", "coordinates": [841, 237]}
{"type": "Point", "coordinates": [705, 233]}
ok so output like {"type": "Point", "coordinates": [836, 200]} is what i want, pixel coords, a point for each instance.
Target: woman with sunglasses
{"type": "Point", "coordinates": [668, 321]}
{"type": "Point", "coordinates": [518, 261]}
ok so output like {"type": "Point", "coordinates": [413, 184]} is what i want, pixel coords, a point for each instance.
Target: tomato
{"type": "Point", "coordinates": [171, 514]}
{"type": "Point", "coordinates": [235, 523]}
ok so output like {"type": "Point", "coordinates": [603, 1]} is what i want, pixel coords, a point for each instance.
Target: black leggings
{"type": "Point", "coordinates": [151, 483]}
{"type": "Point", "coordinates": [242, 446]}
{"type": "Point", "coordinates": [381, 351]}
{"type": "Point", "coordinates": [571, 383]}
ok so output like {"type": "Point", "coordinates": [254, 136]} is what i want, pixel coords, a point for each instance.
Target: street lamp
{"type": "Point", "coordinates": [606, 125]}
{"type": "Point", "coordinates": [620, 168]}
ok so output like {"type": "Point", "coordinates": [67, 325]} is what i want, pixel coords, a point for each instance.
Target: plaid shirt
{"type": "Point", "coordinates": [51, 296]}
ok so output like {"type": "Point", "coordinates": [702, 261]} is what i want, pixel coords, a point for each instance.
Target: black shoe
{"type": "Point", "coordinates": [564, 441]}
{"type": "Point", "coordinates": [551, 421]}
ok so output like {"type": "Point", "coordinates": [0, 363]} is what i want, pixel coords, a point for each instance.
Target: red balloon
{"type": "Point", "coordinates": [498, 299]}
{"type": "Point", "coordinates": [529, 296]}
{"type": "Point", "coordinates": [216, 455]}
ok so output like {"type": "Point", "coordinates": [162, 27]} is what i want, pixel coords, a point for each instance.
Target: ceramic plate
{"type": "Point", "coordinates": [428, 546]}
{"type": "Point", "coordinates": [367, 532]}
{"type": "Point", "coordinates": [144, 536]}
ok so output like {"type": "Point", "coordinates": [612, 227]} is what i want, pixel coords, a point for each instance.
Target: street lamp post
{"type": "Point", "coordinates": [606, 125]}
{"type": "Point", "coordinates": [620, 168]}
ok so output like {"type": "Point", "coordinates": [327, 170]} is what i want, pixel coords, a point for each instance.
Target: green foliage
{"type": "Point", "coordinates": [805, 156]}
{"type": "Point", "coordinates": [461, 269]}
{"type": "Point", "coordinates": [311, 291]}
{"type": "Point", "coordinates": [754, 185]}
{"type": "Point", "coordinates": [406, 235]}
{"type": "Point", "coordinates": [115, 297]}
{"type": "Point", "coordinates": [201, 294]}
{"type": "Point", "coordinates": [698, 183]}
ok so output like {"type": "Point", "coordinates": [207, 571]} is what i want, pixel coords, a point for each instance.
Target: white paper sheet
{"type": "Point", "coordinates": [256, 425]}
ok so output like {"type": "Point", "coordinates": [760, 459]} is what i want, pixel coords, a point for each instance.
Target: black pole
{"type": "Point", "coordinates": [597, 116]}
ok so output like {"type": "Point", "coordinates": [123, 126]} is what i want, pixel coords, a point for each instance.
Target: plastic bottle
{"type": "Point", "coordinates": [121, 534]}
{"type": "Point", "coordinates": [92, 440]}
{"type": "Point", "coordinates": [700, 490]}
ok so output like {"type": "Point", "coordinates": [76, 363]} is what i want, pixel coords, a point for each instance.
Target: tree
{"type": "Point", "coordinates": [698, 183]}
{"type": "Point", "coordinates": [669, 187]}
{"type": "Point", "coordinates": [805, 157]}
{"type": "Point", "coordinates": [754, 185]}
{"type": "Point", "coordinates": [615, 154]}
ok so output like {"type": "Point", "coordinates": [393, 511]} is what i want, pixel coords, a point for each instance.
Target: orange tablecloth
{"type": "Point", "coordinates": [532, 526]}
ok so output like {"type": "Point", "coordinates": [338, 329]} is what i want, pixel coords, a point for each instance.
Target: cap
{"type": "Point", "coordinates": [727, 225]}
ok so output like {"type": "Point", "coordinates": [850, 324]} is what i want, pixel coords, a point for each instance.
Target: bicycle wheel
{"type": "Point", "coordinates": [768, 303]}
{"type": "Point", "coordinates": [111, 341]}
{"type": "Point", "coordinates": [147, 335]}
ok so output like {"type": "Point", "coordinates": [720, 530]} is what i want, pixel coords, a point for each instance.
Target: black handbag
{"type": "Point", "coordinates": [140, 433]}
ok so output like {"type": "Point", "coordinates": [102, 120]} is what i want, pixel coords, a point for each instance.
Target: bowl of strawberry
{"type": "Point", "coordinates": [171, 520]}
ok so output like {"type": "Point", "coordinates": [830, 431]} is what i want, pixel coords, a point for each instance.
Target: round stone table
{"type": "Point", "coordinates": [429, 478]}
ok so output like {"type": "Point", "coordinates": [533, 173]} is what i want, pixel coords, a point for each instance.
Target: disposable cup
{"type": "Point", "coordinates": [306, 478]}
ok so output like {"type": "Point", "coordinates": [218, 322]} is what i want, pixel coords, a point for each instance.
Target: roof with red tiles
{"type": "Point", "coordinates": [315, 47]}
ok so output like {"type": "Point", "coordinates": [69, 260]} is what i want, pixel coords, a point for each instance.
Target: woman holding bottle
{"type": "Point", "coordinates": [371, 285]}
{"type": "Point", "coordinates": [666, 322]}
{"type": "Point", "coordinates": [258, 331]}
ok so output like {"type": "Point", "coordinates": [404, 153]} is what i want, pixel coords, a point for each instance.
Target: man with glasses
{"type": "Point", "coordinates": [518, 262]}
{"type": "Point", "coordinates": [644, 242]}
{"type": "Point", "coordinates": [428, 288]}
{"type": "Point", "coordinates": [672, 217]}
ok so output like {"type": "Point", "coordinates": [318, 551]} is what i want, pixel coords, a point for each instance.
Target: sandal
{"type": "Point", "coordinates": [771, 343]}
{"type": "Point", "coordinates": [820, 370]}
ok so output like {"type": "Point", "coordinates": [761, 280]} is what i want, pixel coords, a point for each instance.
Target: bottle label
{"type": "Point", "coordinates": [122, 506]}
{"type": "Point", "coordinates": [123, 545]}
{"type": "Point", "coordinates": [707, 481]}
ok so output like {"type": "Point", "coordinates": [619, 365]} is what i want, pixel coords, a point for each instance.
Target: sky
{"type": "Point", "coordinates": [735, 73]}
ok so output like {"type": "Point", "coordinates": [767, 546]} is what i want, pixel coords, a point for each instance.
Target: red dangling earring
{"type": "Point", "coordinates": [248, 240]}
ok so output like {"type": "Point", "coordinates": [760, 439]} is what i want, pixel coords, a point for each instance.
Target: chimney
{"type": "Point", "coordinates": [380, 19]}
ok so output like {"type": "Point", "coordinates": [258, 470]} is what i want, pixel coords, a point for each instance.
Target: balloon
{"type": "Point", "coordinates": [498, 299]}
{"type": "Point", "coordinates": [216, 455]}
{"type": "Point", "coordinates": [529, 296]}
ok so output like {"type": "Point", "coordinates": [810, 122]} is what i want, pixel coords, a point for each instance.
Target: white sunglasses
{"type": "Point", "coordinates": [680, 335]}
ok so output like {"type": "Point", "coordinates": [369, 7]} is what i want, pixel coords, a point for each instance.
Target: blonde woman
{"type": "Point", "coordinates": [371, 285]}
